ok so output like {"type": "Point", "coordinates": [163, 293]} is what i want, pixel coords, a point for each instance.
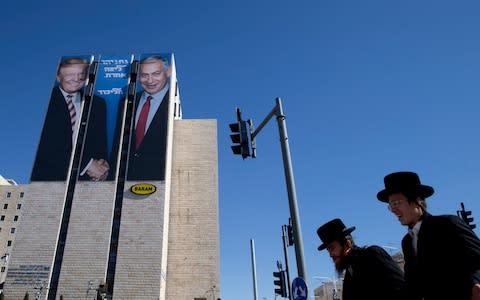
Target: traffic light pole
{"type": "Point", "coordinates": [292, 196]}
{"type": "Point", "coordinates": [287, 270]}
{"type": "Point", "coordinates": [254, 269]}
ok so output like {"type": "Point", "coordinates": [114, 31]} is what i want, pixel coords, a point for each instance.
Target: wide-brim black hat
{"type": "Point", "coordinates": [404, 182]}
{"type": "Point", "coordinates": [331, 231]}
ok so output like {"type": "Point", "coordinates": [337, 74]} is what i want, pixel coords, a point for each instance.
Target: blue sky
{"type": "Point", "coordinates": [368, 87]}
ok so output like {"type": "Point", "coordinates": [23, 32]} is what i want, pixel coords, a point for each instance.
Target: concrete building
{"type": "Point", "coordinates": [118, 238]}
{"type": "Point", "coordinates": [329, 290]}
{"type": "Point", "coordinates": [12, 197]}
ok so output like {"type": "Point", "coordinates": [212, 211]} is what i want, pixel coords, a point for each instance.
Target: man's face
{"type": "Point", "coordinates": [338, 253]}
{"type": "Point", "coordinates": [153, 76]}
{"type": "Point", "coordinates": [408, 213]}
{"type": "Point", "coordinates": [72, 77]}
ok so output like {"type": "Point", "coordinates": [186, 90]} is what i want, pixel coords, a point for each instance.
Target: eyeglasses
{"type": "Point", "coordinates": [394, 203]}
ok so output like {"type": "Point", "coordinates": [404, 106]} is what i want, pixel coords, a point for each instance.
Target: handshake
{"type": "Point", "coordinates": [98, 170]}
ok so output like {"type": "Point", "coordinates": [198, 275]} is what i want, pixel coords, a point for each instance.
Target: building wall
{"type": "Point", "coordinates": [193, 248]}
{"type": "Point", "coordinates": [164, 251]}
{"type": "Point", "coordinates": [139, 266]}
{"type": "Point", "coordinates": [326, 291]}
{"type": "Point", "coordinates": [34, 248]}
{"type": "Point", "coordinates": [88, 240]}
{"type": "Point", "coordinates": [12, 204]}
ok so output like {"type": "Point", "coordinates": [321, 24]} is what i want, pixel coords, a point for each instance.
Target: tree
{"type": "Point", "coordinates": [26, 296]}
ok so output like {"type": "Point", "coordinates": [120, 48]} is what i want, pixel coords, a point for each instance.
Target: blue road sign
{"type": "Point", "coordinates": [299, 289]}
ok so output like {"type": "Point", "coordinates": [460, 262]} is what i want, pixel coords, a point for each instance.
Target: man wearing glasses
{"type": "Point", "coordinates": [442, 253]}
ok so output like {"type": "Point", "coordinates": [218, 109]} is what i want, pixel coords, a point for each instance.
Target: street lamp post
{"type": "Point", "coordinates": [290, 182]}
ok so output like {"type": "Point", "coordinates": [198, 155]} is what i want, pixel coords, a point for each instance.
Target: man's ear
{"type": "Point", "coordinates": [348, 245]}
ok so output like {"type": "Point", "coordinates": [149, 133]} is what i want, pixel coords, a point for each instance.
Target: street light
{"type": "Point", "coordinates": [277, 112]}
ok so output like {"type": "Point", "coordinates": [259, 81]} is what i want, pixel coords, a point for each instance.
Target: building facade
{"type": "Point", "coordinates": [12, 197]}
{"type": "Point", "coordinates": [146, 230]}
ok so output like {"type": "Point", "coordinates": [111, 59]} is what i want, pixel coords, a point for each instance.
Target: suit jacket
{"type": "Point", "coordinates": [148, 161]}
{"type": "Point", "coordinates": [447, 263]}
{"type": "Point", "coordinates": [55, 147]}
{"type": "Point", "coordinates": [372, 274]}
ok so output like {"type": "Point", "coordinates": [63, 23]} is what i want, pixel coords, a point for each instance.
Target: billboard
{"type": "Point", "coordinates": [155, 87]}
{"type": "Point", "coordinates": [88, 120]}
{"type": "Point", "coordinates": [63, 119]}
{"type": "Point", "coordinates": [111, 83]}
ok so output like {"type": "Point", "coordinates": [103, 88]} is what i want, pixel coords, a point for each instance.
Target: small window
{"type": "Point", "coordinates": [19, 205]}
{"type": "Point", "coordinates": [3, 269]}
{"type": "Point", "coordinates": [5, 206]}
{"type": "Point", "coordinates": [2, 218]}
{"type": "Point", "coordinates": [9, 243]}
{"type": "Point", "coordinates": [12, 230]}
{"type": "Point", "coordinates": [15, 219]}
{"type": "Point", "coordinates": [9, 194]}
{"type": "Point", "coordinates": [21, 194]}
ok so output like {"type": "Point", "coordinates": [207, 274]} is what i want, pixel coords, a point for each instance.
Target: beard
{"type": "Point", "coordinates": [341, 264]}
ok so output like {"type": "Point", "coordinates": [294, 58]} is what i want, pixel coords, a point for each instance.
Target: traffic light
{"type": "Point", "coordinates": [280, 283]}
{"type": "Point", "coordinates": [466, 216]}
{"type": "Point", "coordinates": [291, 239]}
{"type": "Point", "coordinates": [240, 139]}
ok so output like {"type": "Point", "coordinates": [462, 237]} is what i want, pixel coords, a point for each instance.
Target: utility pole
{"type": "Point", "coordinates": [277, 111]}
{"type": "Point", "coordinates": [285, 240]}
{"type": "Point", "coordinates": [254, 269]}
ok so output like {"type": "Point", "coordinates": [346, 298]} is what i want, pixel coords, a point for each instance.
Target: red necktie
{"type": "Point", "coordinates": [142, 122]}
{"type": "Point", "coordinates": [71, 109]}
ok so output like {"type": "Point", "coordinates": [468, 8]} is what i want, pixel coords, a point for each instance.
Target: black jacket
{"type": "Point", "coordinates": [148, 161]}
{"type": "Point", "coordinates": [372, 274]}
{"type": "Point", "coordinates": [55, 147]}
{"type": "Point", "coordinates": [447, 263]}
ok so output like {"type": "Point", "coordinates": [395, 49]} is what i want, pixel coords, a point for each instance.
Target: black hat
{"type": "Point", "coordinates": [404, 182]}
{"type": "Point", "coordinates": [331, 231]}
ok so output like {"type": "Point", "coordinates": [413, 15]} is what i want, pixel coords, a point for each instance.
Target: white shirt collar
{"type": "Point", "coordinates": [416, 228]}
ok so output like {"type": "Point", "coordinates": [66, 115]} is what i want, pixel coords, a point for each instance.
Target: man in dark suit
{"type": "Point", "coordinates": [370, 272]}
{"type": "Point", "coordinates": [61, 126]}
{"type": "Point", "coordinates": [442, 253]}
{"type": "Point", "coordinates": [149, 138]}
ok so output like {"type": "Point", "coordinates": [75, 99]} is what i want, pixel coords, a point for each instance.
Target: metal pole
{"type": "Point", "coordinates": [254, 272]}
{"type": "Point", "coordinates": [292, 197]}
{"type": "Point", "coordinates": [285, 238]}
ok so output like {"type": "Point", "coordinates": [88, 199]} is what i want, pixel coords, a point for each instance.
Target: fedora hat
{"type": "Point", "coordinates": [404, 182]}
{"type": "Point", "coordinates": [331, 231]}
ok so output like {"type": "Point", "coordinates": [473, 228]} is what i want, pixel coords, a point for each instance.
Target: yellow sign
{"type": "Point", "coordinates": [143, 189]}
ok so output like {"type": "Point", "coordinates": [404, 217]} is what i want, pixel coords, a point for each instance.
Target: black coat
{"type": "Point", "coordinates": [447, 263]}
{"type": "Point", "coordinates": [55, 147]}
{"type": "Point", "coordinates": [372, 274]}
{"type": "Point", "coordinates": [148, 161]}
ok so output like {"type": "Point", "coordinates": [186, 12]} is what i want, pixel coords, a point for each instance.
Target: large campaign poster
{"type": "Point", "coordinates": [62, 120]}
{"type": "Point", "coordinates": [68, 109]}
{"type": "Point", "coordinates": [148, 143]}
{"type": "Point", "coordinates": [103, 117]}
{"type": "Point", "coordinates": [111, 84]}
